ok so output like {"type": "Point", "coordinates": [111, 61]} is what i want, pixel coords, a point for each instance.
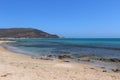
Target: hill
{"type": "Point", "coordinates": [25, 33]}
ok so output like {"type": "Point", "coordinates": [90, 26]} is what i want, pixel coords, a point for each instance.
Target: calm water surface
{"type": "Point", "coordinates": [108, 48]}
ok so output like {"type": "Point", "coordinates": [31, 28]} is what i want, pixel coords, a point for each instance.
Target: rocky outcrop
{"type": "Point", "coordinates": [25, 33]}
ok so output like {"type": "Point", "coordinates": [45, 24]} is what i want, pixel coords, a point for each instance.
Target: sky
{"type": "Point", "coordinates": [68, 18]}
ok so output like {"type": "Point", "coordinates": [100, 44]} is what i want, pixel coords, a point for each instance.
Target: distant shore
{"type": "Point", "coordinates": [15, 66]}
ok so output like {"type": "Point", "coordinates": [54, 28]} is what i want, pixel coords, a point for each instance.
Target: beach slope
{"type": "Point", "coordinates": [14, 66]}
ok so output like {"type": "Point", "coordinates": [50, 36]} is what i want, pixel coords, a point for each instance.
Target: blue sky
{"type": "Point", "coordinates": [69, 18]}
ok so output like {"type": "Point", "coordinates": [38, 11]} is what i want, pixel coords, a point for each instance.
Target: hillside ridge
{"type": "Point", "coordinates": [24, 33]}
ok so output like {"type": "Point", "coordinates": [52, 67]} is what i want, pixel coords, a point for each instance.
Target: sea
{"type": "Point", "coordinates": [97, 51]}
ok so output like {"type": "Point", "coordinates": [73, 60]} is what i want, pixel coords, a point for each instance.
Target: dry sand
{"type": "Point", "coordinates": [14, 66]}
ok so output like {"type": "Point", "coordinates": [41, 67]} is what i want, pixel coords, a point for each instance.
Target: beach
{"type": "Point", "coordinates": [15, 66]}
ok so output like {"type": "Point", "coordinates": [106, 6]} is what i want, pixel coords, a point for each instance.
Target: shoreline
{"type": "Point", "coordinates": [111, 64]}
{"type": "Point", "coordinates": [24, 67]}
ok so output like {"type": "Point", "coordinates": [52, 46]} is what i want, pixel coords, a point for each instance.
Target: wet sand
{"type": "Point", "coordinates": [14, 66]}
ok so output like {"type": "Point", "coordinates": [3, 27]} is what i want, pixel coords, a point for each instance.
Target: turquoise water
{"type": "Point", "coordinates": [100, 52]}
{"type": "Point", "coordinates": [101, 47]}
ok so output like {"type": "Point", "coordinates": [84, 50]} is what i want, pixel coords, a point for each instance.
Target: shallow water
{"type": "Point", "coordinates": [101, 52]}
{"type": "Point", "coordinates": [108, 48]}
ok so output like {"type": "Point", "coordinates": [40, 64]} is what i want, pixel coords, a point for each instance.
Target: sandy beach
{"type": "Point", "coordinates": [14, 66]}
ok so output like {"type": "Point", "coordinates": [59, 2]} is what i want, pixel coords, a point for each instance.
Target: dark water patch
{"type": "Point", "coordinates": [60, 52]}
{"type": "Point", "coordinates": [83, 55]}
{"type": "Point", "coordinates": [109, 60]}
{"type": "Point", "coordinates": [66, 46]}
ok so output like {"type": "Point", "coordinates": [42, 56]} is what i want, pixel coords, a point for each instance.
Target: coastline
{"type": "Point", "coordinates": [23, 67]}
